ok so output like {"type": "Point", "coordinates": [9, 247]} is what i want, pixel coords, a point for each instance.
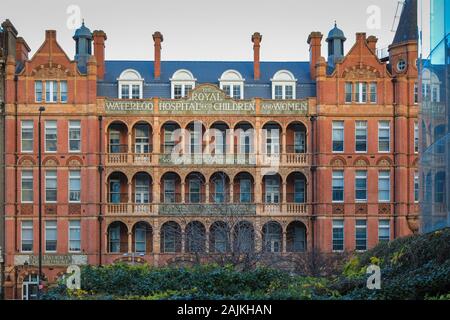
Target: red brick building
{"type": "Point", "coordinates": [165, 161]}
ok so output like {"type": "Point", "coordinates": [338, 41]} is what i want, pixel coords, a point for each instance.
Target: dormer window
{"type": "Point", "coordinates": [183, 82]}
{"type": "Point", "coordinates": [130, 85]}
{"type": "Point", "coordinates": [232, 83]}
{"type": "Point", "coordinates": [283, 85]}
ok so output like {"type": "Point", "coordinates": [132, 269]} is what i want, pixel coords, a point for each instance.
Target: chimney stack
{"type": "Point", "coordinates": [256, 39]}
{"type": "Point", "coordinates": [372, 43]}
{"type": "Point", "coordinates": [99, 52]}
{"type": "Point", "coordinates": [22, 50]}
{"type": "Point", "coordinates": [315, 51]}
{"type": "Point", "coordinates": [157, 38]}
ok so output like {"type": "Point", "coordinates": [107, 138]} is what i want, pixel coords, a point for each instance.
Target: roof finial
{"type": "Point", "coordinates": [82, 23]}
{"type": "Point", "coordinates": [335, 24]}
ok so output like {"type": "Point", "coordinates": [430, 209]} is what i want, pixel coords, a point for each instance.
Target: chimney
{"type": "Point", "coordinates": [157, 38]}
{"type": "Point", "coordinates": [50, 34]}
{"type": "Point", "coordinates": [360, 36]}
{"type": "Point", "coordinates": [256, 39]}
{"type": "Point", "coordinates": [22, 50]}
{"type": "Point", "coordinates": [99, 52]}
{"type": "Point", "coordinates": [372, 43]}
{"type": "Point", "coordinates": [315, 51]}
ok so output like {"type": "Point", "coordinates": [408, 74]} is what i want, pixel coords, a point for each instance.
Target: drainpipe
{"type": "Point", "coordinates": [16, 159]}
{"type": "Point", "coordinates": [100, 171]}
{"type": "Point", "coordinates": [313, 182]}
{"type": "Point", "coordinates": [395, 163]}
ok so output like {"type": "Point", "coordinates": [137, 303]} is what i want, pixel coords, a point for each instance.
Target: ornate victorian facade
{"type": "Point", "coordinates": [170, 162]}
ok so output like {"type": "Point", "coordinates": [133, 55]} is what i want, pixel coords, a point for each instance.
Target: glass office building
{"type": "Point", "coordinates": [435, 119]}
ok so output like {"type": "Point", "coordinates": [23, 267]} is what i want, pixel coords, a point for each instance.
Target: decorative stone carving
{"type": "Point", "coordinates": [50, 209]}
{"type": "Point", "coordinates": [414, 223]}
{"type": "Point", "coordinates": [338, 209]}
{"type": "Point", "coordinates": [384, 209]}
{"type": "Point", "coordinates": [338, 162]}
{"type": "Point", "coordinates": [361, 208]}
{"type": "Point", "coordinates": [361, 162]}
{"type": "Point", "coordinates": [26, 209]}
{"type": "Point", "coordinates": [75, 209]}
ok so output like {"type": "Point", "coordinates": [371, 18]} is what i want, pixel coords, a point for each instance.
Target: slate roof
{"type": "Point", "coordinates": [407, 29]}
{"type": "Point", "coordinates": [207, 72]}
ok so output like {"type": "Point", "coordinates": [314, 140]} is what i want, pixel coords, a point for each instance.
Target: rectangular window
{"type": "Point", "coordinates": [338, 136]}
{"type": "Point", "coordinates": [278, 92]}
{"type": "Point", "coordinates": [51, 236]}
{"type": "Point", "coordinates": [361, 92]}
{"type": "Point", "coordinates": [299, 142]}
{"type": "Point", "coordinates": [361, 186]}
{"type": "Point", "coordinates": [289, 92]}
{"type": "Point", "coordinates": [416, 93]}
{"type": "Point", "coordinates": [63, 91]}
{"type": "Point", "coordinates": [125, 91]}
{"type": "Point", "coordinates": [361, 136]}
{"type": "Point", "coordinates": [416, 187]}
{"type": "Point", "coordinates": [27, 136]}
{"type": "Point", "coordinates": [187, 90]}
{"type": "Point", "coordinates": [373, 92]}
{"type": "Point", "coordinates": [416, 137]}
{"type": "Point", "coordinates": [74, 136]}
{"type": "Point", "coordinates": [338, 235]}
{"type": "Point", "coordinates": [74, 236]}
{"type": "Point", "coordinates": [194, 191]}
{"type": "Point", "coordinates": [348, 92]}
{"type": "Point", "coordinates": [299, 191]}
{"type": "Point", "coordinates": [384, 136]}
{"type": "Point", "coordinates": [135, 91]}
{"type": "Point", "coordinates": [27, 186]}
{"type": "Point", "coordinates": [27, 236]}
{"type": "Point", "coordinates": [74, 186]}
{"type": "Point", "coordinates": [338, 186]}
{"type": "Point", "coordinates": [51, 91]}
{"type": "Point", "coordinates": [384, 231]}
{"type": "Point", "coordinates": [178, 91]}
{"type": "Point", "coordinates": [384, 186]}
{"type": "Point", "coordinates": [361, 235]}
{"type": "Point", "coordinates": [435, 94]}
{"type": "Point", "coordinates": [237, 92]}
{"type": "Point", "coordinates": [227, 89]}
{"type": "Point", "coordinates": [38, 91]}
{"type": "Point", "coordinates": [169, 191]}
{"type": "Point", "coordinates": [51, 136]}
{"type": "Point", "coordinates": [51, 186]}
{"type": "Point", "coordinates": [245, 191]}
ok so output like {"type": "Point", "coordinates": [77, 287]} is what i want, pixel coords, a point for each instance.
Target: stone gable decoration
{"type": "Point", "coordinates": [207, 99]}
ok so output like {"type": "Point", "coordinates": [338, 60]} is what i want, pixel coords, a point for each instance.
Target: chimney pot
{"type": "Point", "coordinates": [372, 43]}
{"type": "Point", "coordinates": [157, 38]}
{"type": "Point", "coordinates": [256, 39]}
{"type": "Point", "coordinates": [315, 49]}
{"type": "Point", "coordinates": [99, 52]}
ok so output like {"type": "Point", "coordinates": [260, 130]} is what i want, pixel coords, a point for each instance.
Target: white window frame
{"type": "Point", "coordinates": [183, 78]}
{"type": "Point", "coordinates": [382, 126]}
{"type": "Point", "coordinates": [284, 78]}
{"type": "Point", "coordinates": [74, 125]}
{"type": "Point", "coordinates": [370, 93]}
{"type": "Point", "coordinates": [334, 176]}
{"type": "Point", "coordinates": [338, 125]}
{"type": "Point", "coordinates": [61, 91]}
{"type": "Point", "coordinates": [384, 175]}
{"type": "Point", "coordinates": [47, 227]}
{"type": "Point", "coordinates": [73, 175]}
{"type": "Point", "coordinates": [46, 127]}
{"type": "Point", "coordinates": [130, 77]}
{"type": "Point", "coordinates": [361, 174]}
{"type": "Point", "coordinates": [53, 177]}
{"type": "Point", "coordinates": [383, 225]}
{"type": "Point", "coordinates": [71, 227]}
{"type": "Point", "coordinates": [29, 226]}
{"type": "Point", "coordinates": [36, 91]}
{"type": "Point", "coordinates": [416, 137]}
{"type": "Point", "coordinates": [29, 177]}
{"type": "Point", "coordinates": [233, 79]}
{"type": "Point", "coordinates": [27, 124]}
{"type": "Point", "coordinates": [360, 125]}
{"type": "Point", "coordinates": [365, 230]}
{"type": "Point", "coordinates": [51, 85]}
{"type": "Point", "coordinates": [343, 234]}
{"type": "Point", "coordinates": [359, 93]}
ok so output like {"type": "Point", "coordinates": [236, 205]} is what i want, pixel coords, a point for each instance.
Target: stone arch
{"type": "Point", "coordinates": [50, 161]}
{"type": "Point", "coordinates": [361, 162]}
{"type": "Point", "coordinates": [384, 162]}
{"type": "Point", "coordinates": [27, 161]}
{"type": "Point", "coordinates": [338, 162]}
{"type": "Point", "coordinates": [74, 161]}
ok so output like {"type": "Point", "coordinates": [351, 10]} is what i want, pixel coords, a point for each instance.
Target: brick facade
{"type": "Point", "coordinates": [128, 209]}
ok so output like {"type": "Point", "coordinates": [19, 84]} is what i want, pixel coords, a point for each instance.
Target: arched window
{"type": "Point", "coordinates": [283, 85]}
{"type": "Point", "coordinates": [430, 86]}
{"type": "Point", "coordinates": [130, 85]}
{"type": "Point", "coordinates": [232, 83]}
{"type": "Point", "coordinates": [183, 82]}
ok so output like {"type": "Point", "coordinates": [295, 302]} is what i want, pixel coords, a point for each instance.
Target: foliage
{"type": "Point", "coordinates": [416, 267]}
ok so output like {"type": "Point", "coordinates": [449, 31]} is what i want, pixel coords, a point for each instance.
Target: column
{"type": "Point", "coordinates": [231, 187]}
{"type": "Point", "coordinates": [183, 192]}
{"type": "Point", "coordinates": [207, 192]}
{"type": "Point", "coordinates": [130, 242]}
{"type": "Point", "coordinates": [284, 242]}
